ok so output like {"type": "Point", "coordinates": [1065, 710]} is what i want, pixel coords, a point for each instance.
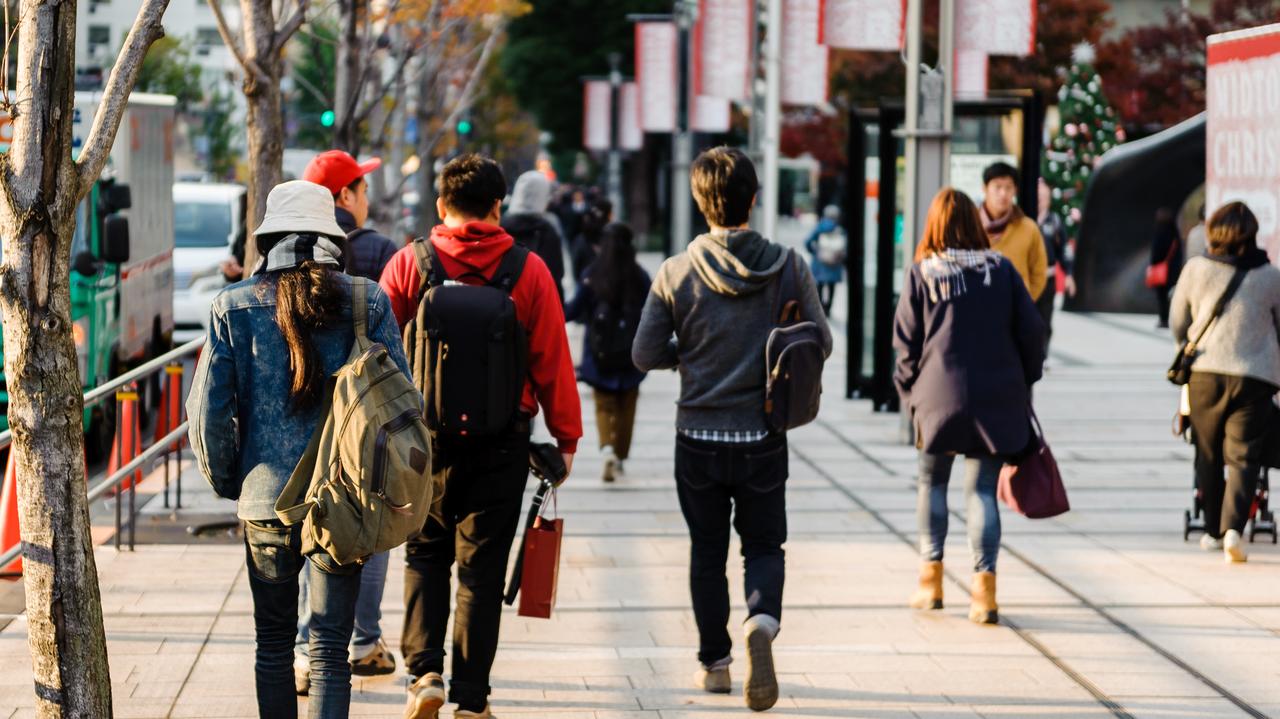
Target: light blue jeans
{"type": "Point", "coordinates": [368, 626]}
{"type": "Point", "coordinates": [981, 475]}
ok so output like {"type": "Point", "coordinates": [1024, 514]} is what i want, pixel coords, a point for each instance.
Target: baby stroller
{"type": "Point", "coordinates": [1262, 519]}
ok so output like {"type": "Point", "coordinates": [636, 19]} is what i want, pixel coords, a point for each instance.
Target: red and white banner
{"type": "Point", "coordinates": [709, 114]}
{"type": "Point", "coordinates": [996, 27]}
{"type": "Point", "coordinates": [1242, 137]}
{"type": "Point", "coordinates": [630, 136]}
{"type": "Point", "coordinates": [597, 111]}
{"type": "Point", "coordinates": [862, 24]}
{"type": "Point", "coordinates": [804, 61]}
{"type": "Point", "coordinates": [722, 49]}
{"type": "Point", "coordinates": [969, 74]}
{"type": "Point", "coordinates": [656, 65]}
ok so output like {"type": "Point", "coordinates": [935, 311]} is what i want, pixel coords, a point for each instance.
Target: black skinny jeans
{"type": "Point", "coordinates": [1229, 416]}
{"type": "Point", "coordinates": [747, 483]}
{"type": "Point", "coordinates": [479, 490]}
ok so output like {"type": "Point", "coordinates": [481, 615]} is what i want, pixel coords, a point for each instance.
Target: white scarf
{"type": "Point", "coordinates": [943, 272]}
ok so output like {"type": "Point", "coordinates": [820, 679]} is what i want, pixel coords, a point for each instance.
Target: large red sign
{"type": "Point", "coordinates": [722, 49]}
{"type": "Point", "coordinates": [597, 114]}
{"type": "Point", "coordinates": [996, 27]}
{"type": "Point", "coordinates": [862, 24]}
{"type": "Point", "coordinates": [630, 136]}
{"type": "Point", "coordinates": [1243, 140]}
{"type": "Point", "coordinates": [656, 75]}
{"type": "Point", "coordinates": [804, 61]}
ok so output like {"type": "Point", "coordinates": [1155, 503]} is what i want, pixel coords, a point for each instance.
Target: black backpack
{"type": "Point", "coordinates": [793, 358]}
{"type": "Point", "coordinates": [611, 332]}
{"type": "Point", "coordinates": [467, 349]}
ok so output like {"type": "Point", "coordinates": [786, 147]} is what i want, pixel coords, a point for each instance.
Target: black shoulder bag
{"type": "Point", "coordinates": [1180, 371]}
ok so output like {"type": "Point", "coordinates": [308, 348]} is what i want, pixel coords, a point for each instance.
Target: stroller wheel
{"type": "Point", "coordinates": [1186, 524]}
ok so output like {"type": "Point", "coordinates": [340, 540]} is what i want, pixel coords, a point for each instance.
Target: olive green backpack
{"type": "Point", "coordinates": [364, 483]}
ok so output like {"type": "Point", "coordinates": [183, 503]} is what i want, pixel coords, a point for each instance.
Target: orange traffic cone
{"type": "Point", "coordinates": [10, 532]}
{"type": "Point", "coordinates": [128, 431]}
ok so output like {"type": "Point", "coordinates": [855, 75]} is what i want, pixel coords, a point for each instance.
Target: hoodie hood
{"type": "Point", "coordinates": [532, 193]}
{"type": "Point", "coordinates": [475, 246]}
{"type": "Point", "coordinates": [736, 262]}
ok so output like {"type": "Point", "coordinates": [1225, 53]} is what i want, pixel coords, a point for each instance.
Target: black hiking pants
{"type": "Point", "coordinates": [1229, 416]}
{"type": "Point", "coordinates": [479, 490]}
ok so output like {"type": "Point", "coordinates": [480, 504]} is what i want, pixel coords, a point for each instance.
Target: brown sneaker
{"type": "Point", "coordinates": [761, 687]}
{"type": "Point", "coordinates": [377, 662]}
{"type": "Point", "coordinates": [482, 714]}
{"type": "Point", "coordinates": [426, 696]}
{"type": "Point", "coordinates": [713, 681]}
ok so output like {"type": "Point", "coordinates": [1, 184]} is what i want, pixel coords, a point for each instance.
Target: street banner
{"type": "Point", "coordinates": [862, 24]}
{"type": "Point", "coordinates": [630, 136]}
{"type": "Point", "coordinates": [722, 49]}
{"type": "Point", "coordinates": [709, 114]}
{"type": "Point", "coordinates": [597, 111]}
{"type": "Point", "coordinates": [1242, 139]}
{"type": "Point", "coordinates": [804, 61]}
{"type": "Point", "coordinates": [656, 75]}
{"type": "Point", "coordinates": [970, 74]}
{"type": "Point", "coordinates": [996, 27]}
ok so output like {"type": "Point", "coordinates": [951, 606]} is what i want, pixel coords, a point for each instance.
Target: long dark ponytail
{"type": "Point", "coordinates": [308, 297]}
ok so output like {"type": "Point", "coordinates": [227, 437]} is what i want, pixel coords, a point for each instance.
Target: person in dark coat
{"type": "Point", "coordinates": [587, 242]}
{"type": "Point", "coordinates": [1166, 246]}
{"type": "Point", "coordinates": [533, 227]}
{"type": "Point", "coordinates": [613, 290]}
{"type": "Point", "coordinates": [970, 344]}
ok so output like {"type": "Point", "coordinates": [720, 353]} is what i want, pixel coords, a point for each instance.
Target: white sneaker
{"type": "Point", "coordinates": [1233, 547]}
{"type": "Point", "coordinates": [1210, 544]}
{"type": "Point", "coordinates": [610, 463]}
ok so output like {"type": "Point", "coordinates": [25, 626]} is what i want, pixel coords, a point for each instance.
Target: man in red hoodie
{"type": "Point", "coordinates": [479, 480]}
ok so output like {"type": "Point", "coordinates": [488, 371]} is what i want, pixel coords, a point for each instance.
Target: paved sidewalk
{"type": "Point", "coordinates": [1106, 611]}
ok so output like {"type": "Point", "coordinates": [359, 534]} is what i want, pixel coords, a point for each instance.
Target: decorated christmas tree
{"type": "Point", "coordinates": [1089, 127]}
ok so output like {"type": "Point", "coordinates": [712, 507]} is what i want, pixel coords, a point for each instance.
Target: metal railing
{"type": "Point", "coordinates": [169, 445]}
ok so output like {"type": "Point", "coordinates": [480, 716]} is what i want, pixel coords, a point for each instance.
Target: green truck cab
{"type": "Point", "coordinates": [121, 257]}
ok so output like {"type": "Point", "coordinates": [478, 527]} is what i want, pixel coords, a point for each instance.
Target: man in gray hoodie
{"type": "Point", "coordinates": [535, 229]}
{"type": "Point", "coordinates": [709, 313]}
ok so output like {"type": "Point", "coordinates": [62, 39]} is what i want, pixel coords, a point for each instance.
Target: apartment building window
{"type": "Point", "coordinates": [207, 38]}
{"type": "Point", "coordinates": [99, 41]}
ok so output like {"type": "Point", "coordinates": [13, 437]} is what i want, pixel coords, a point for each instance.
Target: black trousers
{"type": "Point", "coordinates": [826, 295]}
{"type": "Point", "coordinates": [479, 485]}
{"type": "Point", "coordinates": [746, 482]}
{"type": "Point", "coordinates": [1162, 305]}
{"type": "Point", "coordinates": [1229, 416]}
{"type": "Point", "coordinates": [1045, 305]}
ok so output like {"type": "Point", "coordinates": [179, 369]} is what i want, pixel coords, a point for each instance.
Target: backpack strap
{"type": "Point", "coordinates": [1227, 294]}
{"type": "Point", "coordinates": [787, 308]}
{"type": "Point", "coordinates": [360, 311]}
{"type": "Point", "coordinates": [510, 269]}
{"type": "Point", "coordinates": [430, 270]}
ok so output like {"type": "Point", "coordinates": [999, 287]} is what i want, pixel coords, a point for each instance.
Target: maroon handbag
{"type": "Point", "coordinates": [1033, 487]}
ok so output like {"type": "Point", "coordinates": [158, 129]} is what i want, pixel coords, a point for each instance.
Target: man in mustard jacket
{"type": "Point", "coordinates": [1010, 231]}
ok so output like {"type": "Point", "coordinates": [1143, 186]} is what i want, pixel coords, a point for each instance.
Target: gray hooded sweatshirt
{"type": "Point", "coordinates": [709, 312]}
{"type": "Point", "coordinates": [532, 194]}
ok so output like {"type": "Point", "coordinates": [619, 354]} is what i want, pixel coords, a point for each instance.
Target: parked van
{"type": "Point", "coordinates": [208, 218]}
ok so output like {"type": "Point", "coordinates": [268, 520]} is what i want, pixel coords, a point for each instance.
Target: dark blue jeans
{"type": "Point", "coordinates": [274, 555]}
{"type": "Point", "coordinates": [743, 484]}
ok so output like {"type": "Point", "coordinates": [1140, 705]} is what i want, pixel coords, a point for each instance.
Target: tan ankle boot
{"type": "Point", "coordinates": [982, 606]}
{"type": "Point", "coordinates": [929, 594]}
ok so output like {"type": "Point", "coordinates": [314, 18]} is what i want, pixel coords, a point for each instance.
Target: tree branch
{"type": "Point", "coordinates": [367, 111]}
{"type": "Point", "coordinates": [311, 89]}
{"type": "Point", "coordinates": [115, 94]}
{"type": "Point", "coordinates": [468, 91]}
{"type": "Point", "coordinates": [250, 68]}
{"type": "Point", "coordinates": [290, 26]}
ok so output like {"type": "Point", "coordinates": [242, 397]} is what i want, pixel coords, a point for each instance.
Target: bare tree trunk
{"type": "Point", "coordinates": [41, 187]}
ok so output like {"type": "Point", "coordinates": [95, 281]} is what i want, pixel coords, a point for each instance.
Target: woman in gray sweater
{"type": "Point", "coordinates": [970, 343]}
{"type": "Point", "coordinates": [1236, 372]}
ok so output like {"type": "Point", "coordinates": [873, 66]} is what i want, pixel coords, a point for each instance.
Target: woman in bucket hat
{"type": "Point", "coordinates": [255, 401]}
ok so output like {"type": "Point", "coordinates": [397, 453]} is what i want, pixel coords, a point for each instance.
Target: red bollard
{"type": "Point", "coordinates": [173, 400]}
{"type": "Point", "coordinates": [10, 532]}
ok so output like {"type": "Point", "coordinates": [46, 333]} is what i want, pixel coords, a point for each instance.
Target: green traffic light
{"type": "Point", "coordinates": [326, 118]}
{"type": "Point", "coordinates": [464, 127]}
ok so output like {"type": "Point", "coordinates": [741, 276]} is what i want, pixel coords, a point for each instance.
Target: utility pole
{"type": "Point", "coordinates": [771, 135]}
{"type": "Point", "coordinates": [686, 13]}
{"type": "Point", "coordinates": [614, 181]}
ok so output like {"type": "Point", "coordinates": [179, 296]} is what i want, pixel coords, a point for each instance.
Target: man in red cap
{"type": "Point", "coordinates": [367, 251]}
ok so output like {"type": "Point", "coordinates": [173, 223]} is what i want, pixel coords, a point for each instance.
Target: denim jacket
{"type": "Point", "coordinates": [245, 436]}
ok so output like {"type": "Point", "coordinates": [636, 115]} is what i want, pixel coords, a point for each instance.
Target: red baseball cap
{"type": "Point", "coordinates": [335, 169]}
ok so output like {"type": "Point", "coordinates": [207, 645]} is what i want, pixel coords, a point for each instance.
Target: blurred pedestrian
{"type": "Point", "coordinates": [1236, 371]}
{"type": "Point", "coordinates": [1009, 231]}
{"type": "Point", "coordinates": [1197, 237]}
{"type": "Point", "coordinates": [828, 246]}
{"type": "Point", "coordinates": [586, 245]}
{"type": "Point", "coordinates": [608, 302]}
{"type": "Point", "coordinates": [970, 344]}
{"type": "Point", "coordinates": [718, 300]}
{"type": "Point", "coordinates": [1165, 264]}
{"type": "Point", "coordinates": [533, 227]}
{"type": "Point", "coordinates": [255, 403]}
{"type": "Point", "coordinates": [367, 251]}
{"type": "Point", "coordinates": [1054, 232]}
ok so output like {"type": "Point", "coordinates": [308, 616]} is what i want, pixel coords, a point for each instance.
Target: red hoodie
{"type": "Point", "coordinates": [478, 247]}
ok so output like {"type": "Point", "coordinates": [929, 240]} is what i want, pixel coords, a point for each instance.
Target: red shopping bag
{"type": "Point", "coordinates": [541, 567]}
{"type": "Point", "coordinates": [1033, 487]}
